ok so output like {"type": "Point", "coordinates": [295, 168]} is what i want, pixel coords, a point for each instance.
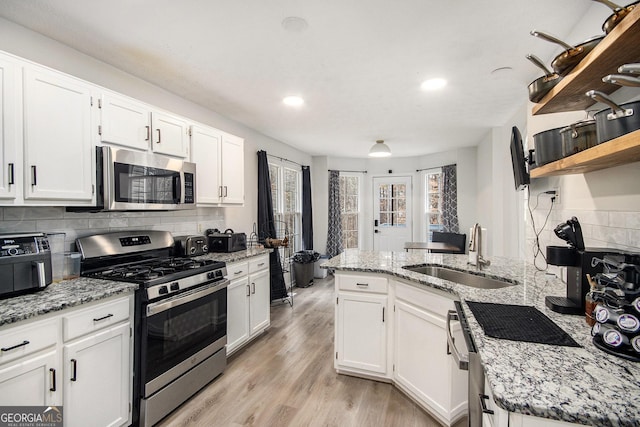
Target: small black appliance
{"type": "Point", "coordinates": [578, 261]}
{"type": "Point", "coordinates": [229, 241]}
{"type": "Point", "coordinates": [25, 263]}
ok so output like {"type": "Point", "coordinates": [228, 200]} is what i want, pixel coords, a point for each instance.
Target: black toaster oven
{"type": "Point", "coordinates": [226, 241]}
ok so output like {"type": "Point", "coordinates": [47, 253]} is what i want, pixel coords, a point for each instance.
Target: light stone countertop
{"type": "Point", "coordinates": [58, 296]}
{"type": "Point", "coordinates": [230, 257]}
{"type": "Point", "coordinates": [581, 385]}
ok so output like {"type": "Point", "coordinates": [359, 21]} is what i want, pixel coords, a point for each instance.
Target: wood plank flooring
{"type": "Point", "coordinates": [286, 378]}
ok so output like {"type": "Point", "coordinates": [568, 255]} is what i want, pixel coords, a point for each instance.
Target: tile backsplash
{"type": "Point", "coordinates": [600, 228]}
{"type": "Point", "coordinates": [73, 224]}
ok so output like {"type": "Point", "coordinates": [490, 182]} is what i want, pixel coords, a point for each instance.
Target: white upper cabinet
{"type": "Point", "coordinates": [219, 157]}
{"type": "Point", "coordinates": [57, 138]}
{"type": "Point", "coordinates": [232, 166]}
{"type": "Point", "coordinates": [124, 121]}
{"type": "Point", "coordinates": [131, 123]}
{"type": "Point", "coordinates": [205, 153]}
{"type": "Point", "coordinates": [170, 135]}
{"type": "Point", "coordinates": [9, 126]}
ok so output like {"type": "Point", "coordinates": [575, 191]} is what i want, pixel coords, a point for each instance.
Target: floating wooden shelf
{"type": "Point", "coordinates": [625, 149]}
{"type": "Point", "coordinates": [620, 46]}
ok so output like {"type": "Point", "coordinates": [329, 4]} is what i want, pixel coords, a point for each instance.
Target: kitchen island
{"type": "Point", "coordinates": [573, 384]}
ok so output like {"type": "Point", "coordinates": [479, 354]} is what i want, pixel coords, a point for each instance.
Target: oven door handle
{"type": "Point", "coordinates": [461, 360]}
{"type": "Point", "coordinates": [161, 306]}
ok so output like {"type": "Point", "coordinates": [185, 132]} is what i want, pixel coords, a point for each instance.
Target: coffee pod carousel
{"type": "Point", "coordinates": [617, 311]}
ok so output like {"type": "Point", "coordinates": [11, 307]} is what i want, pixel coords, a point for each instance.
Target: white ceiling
{"type": "Point", "coordinates": [358, 65]}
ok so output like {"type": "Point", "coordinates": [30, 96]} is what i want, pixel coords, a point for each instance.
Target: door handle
{"type": "Point", "coordinates": [253, 288]}
{"type": "Point", "coordinates": [375, 222]}
{"type": "Point", "coordinates": [11, 177]}
{"type": "Point", "coordinates": [159, 139]}
{"type": "Point", "coordinates": [225, 191]}
{"type": "Point", "coordinates": [376, 231]}
{"type": "Point", "coordinates": [248, 290]}
{"type": "Point", "coordinates": [148, 128]}
{"type": "Point", "coordinates": [34, 175]}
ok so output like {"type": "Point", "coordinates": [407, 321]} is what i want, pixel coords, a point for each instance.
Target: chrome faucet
{"type": "Point", "coordinates": [475, 248]}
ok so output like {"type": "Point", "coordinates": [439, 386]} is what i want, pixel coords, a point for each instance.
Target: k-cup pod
{"type": "Point", "coordinates": [628, 323]}
{"type": "Point", "coordinates": [635, 343]}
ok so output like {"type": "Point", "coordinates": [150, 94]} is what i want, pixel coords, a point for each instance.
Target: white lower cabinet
{"type": "Point", "coordinates": [89, 373]}
{"type": "Point", "coordinates": [32, 381]}
{"type": "Point", "coordinates": [98, 366]}
{"type": "Point", "coordinates": [423, 367]}
{"type": "Point", "coordinates": [394, 331]}
{"type": "Point", "coordinates": [248, 301]}
{"type": "Point", "coordinates": [361, 325]}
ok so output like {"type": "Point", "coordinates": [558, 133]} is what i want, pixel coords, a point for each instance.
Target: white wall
{"type": "Point", "coordinates": [27, 44]}
{"type": "Point", "coordinates": [465, 158]}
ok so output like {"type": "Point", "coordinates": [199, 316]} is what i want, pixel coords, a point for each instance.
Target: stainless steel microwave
{"type": "Point", "coordinates": [135, 181]}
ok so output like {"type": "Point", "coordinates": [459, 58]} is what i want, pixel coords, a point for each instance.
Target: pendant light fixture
{"type": "Point", "coordinates": [380, 149]}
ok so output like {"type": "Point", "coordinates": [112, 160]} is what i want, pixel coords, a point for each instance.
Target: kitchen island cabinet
{"type": "Point", "coordinates": [361, 325]}
{"type": "Point", "coordinates": [533, 384]}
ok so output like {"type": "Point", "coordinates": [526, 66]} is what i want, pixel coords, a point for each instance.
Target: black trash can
{"type": "Point", "coordinates": [303, 262]}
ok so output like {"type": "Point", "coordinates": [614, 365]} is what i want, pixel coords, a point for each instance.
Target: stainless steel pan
{"type": "Point", "coordinates": [618, 14]}
{"type": "Point", "coordinates": [567, 60]}
{"type": "Point", "coordinates": [540, 86]}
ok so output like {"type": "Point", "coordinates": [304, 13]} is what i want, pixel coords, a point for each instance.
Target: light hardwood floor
{"type": "Point", "coordinates": [286, 378]}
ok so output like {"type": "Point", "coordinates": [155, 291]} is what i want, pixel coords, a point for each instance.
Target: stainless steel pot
{"type": "Point", "coordinates": [578, 137]}
{"type": "Point", "coordinates": [567, 60]}
{"type": "Point", "coordinates": [615, 121]}
{"type": "Point", "coordinates": [548, 146]}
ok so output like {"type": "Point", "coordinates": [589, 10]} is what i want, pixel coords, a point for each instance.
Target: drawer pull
{"type": "Point", "coordinates": [238, 272]}
{"type": "Point", "coordinates": [483, 397]}
{"type": "Point", "coordinates": [103, 318]}
{"type": "Point", "coordinates": [261, 264]}
{"type": "Point", "coordinates": [366, 285]}
{"type": "Point", "coordinates": [52, 378]}
{"type": "Point", "coordinates": [74, 370]}
{"type": "Point", "coordinates": [13, 347]}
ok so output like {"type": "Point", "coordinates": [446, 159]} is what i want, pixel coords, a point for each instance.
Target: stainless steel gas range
{"type": "Point", "coordinates": [181, 315]}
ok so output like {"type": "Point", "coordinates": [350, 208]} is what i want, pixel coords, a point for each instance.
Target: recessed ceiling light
{"type": "Point", "coordinates": [294, 24]}
{"type": "Point", "coordinates": [433, 84]}
{"type": "Point", "coordinates": [293, 101]}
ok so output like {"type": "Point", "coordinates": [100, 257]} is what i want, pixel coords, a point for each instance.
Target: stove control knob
{"type": "Point", "coordinates": [210, 275]}
{"type": "Point", "coordinates": [192, 250]}
{"type": "Point", "coordinates": [163, 290]}
{"type": "Point", "coordinates": [218, 273]}
{"type": "Point", "coordinates": [175, 286]}
{"type": "Point", "coordinates": [205, 248]}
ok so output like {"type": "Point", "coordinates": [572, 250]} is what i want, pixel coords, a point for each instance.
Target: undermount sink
{"type": "Point", "coordinates": [460, 277]}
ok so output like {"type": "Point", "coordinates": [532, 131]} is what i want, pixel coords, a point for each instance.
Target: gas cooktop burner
{"type": "Point", "coordinates": [145, 271]}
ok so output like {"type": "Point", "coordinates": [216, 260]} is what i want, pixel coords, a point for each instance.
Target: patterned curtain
{"type": "Point", "coordinates": [334, 234]}
{"type": "Point", "coordinates": [449, 199]}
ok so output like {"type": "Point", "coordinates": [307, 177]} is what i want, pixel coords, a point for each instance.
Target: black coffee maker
{"type": "Point", "coordinates": [578, 261]}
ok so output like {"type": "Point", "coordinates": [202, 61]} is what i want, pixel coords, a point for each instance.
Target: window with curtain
{"type": "Point", "coordinates": [432, 201]}
{"type": "Point", "coordinates": [286, 193]}
{"type": "Point", "coordinates": [350, 210]}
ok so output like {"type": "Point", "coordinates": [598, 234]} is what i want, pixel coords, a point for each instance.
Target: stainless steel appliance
{"type": "Point", "coordinates": [181, 315]}
{"type": "Point", "coordinates": [227, 241]}
{"type": "Point", "coordinates": [191, 245]}
{"type": "Point", "coordinates": [130, 180]}
{"type": "Point", "coordinates": [25, 263]}
{"type": "Point", "coordinates": [471, 362]}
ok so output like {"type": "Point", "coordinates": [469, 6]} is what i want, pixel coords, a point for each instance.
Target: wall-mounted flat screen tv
{"type": "Point", "coordinates": [518, 160]}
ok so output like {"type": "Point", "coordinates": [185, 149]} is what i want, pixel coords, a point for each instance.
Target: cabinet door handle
{"type": "Point", "coordinates": [34, 175]}
{"type": "Point", "coordinates": [148, 128]}
{"type": "Point", "coordinates": [253, 288]}
{"type": "Point", "coordinates": [225, 191]}
{"type": "Point", "coordinates": [52, 379]}
{"type": "Point", "coordinates": [382, 314]}
{"type": "Point", "coordinates": [103, 318]}
{"type": "Point", "coordinates": [74, 370]}
{"type": "Point", "coordinates": [220, 191]}
{"type": "Point", "coordinates": [248, 291]}
{"type": "Point", "coordinates": [13, 347]}
{"type": "Point", "coordinates": [485, 410]}
{"type": "Point", "coordinates": [11, 177]}
{"type": "Point", "coordinates": [159, 139]}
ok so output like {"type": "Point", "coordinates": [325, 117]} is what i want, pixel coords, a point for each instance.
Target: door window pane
{"type": "Point", "coordinates": [349, 205]}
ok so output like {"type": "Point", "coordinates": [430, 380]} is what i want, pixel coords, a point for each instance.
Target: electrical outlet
{"type": "Point", "coordinates": [557, 196]}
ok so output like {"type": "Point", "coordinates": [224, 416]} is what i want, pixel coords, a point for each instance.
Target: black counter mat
{"type": "Point", "coordinates": [519, 323]}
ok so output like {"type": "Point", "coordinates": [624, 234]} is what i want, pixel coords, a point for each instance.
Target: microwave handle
{"type": "Point", "coordinates": [177, 182]}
